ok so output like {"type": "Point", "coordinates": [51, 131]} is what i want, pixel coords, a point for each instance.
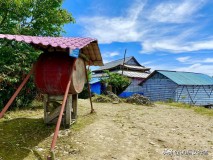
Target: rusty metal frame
{"type": "Point", "coordinates": [55, 136]}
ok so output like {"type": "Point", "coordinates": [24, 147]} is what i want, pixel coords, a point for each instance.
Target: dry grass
{"type": "Point", "coordinates": [198, 109]}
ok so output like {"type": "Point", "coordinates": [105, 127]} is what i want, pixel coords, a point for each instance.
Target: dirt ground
{"type": "Point", "coordinates": [115, 132]}
{"type": "Point", "coordinates": [131, 132]}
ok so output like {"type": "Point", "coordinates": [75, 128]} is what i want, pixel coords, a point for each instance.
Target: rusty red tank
{"type": "Point", "coordinates": [52, 72]}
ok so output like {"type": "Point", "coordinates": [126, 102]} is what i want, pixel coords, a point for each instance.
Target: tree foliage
{"type": "Point", "coordinates": [26, 17]}
{"type": "Point", "coordinates": [117, 81]}
{"type": "Point", "coordinates": [33, 17]}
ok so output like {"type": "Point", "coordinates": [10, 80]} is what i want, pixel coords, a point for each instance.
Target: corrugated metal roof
{"type": "Point", "coordinates": [131, 74]}
{"type": "Point", "coordinates": [119, 62]}
{"type": "Point", "coordinates": [136, 67]}
{"type": "Point", "coordinates": [99, 75]}
{"type": "Point", "coordinates": [113, 64]}
{"type": "Point", "coordinates": [134, 74]}
{"type": "Point", "coordinates": [62, 42]}
{"type": "Point", "coordinates": [71, 43]}
{"type": "Point", "coordinates": [187, 78]}
{"type": "Point", "coordinates": [94, 80]}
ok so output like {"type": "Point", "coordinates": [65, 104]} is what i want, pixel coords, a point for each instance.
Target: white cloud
{"type": "Point", "coordinates": [199, 45]}
{"type": "Point", "coordinates": [197, 68]}
{"type": "Point", "coordinates": [147, 62]}
{"type": "Point", "coordinates": [175, 12]}
{"type": "Point", "coordinates": [183, 59]}
{"type": "Point", "coordinates": [190, 60]}
{"type": "Point", "coordinates": [111, 30]}
{"type": "Point", "coordinates": [176, 46]}
{"type": "Point", "coordinates": [157, 28]}
{"type": "Point", "coordinates": [160, 67]}
{"type": "Point", "coordinates": [105, 60]}
{"type": "Point", "coordinates": [110, 54]}
{"type": "Point", "coordinates": [208, 60]}
{"type": "Point", "coordinates": [120, 29]}
{"type": "Point", "coordinates": [163, 45]}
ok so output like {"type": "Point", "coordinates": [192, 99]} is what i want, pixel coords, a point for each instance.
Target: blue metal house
{"type": "Point", "coordinates": [185, 87]}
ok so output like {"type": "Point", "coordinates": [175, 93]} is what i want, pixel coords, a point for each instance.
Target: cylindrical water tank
{"type": "Point", "coordinates": [52, 71]}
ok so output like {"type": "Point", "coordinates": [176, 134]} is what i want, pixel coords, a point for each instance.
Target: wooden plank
{"type": "Point", "coordinates": [55, 98]}
{"type": "Point", "coordinates": [51, 116]}
{"type": "Point", "coordinates": [74, 106]}
{"type": "Point", "coordinates": [68, 111]}
{"type": "Point", "coordinates": [91, 53]}
{"type": "Point", "coordinates": [45, 106]}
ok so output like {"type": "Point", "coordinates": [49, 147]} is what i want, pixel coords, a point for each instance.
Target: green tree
{"type": "Point", "coordinates": [117, 81]}
{"type": "Point", "coordinates": [26, 17]}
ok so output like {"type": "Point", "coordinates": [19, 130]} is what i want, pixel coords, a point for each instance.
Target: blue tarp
{"type": "Point", "coordinates": [96, 88]}
{"type": "Point", "coordinates": [95, 85]}
{"type": "Point", "coordinates": [128, 94]}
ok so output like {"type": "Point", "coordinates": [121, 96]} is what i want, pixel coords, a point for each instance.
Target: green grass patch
{"type": "Point", "coordinates": [35, 104]}
{"type": "Point", "coordinates": [20, 136]}
{"type": "Point", "coordinates": [84, 121]}
{"type": "Point", "coordinates": [204, 111]}
{"type": "Point", "coordinates": [198, 109]}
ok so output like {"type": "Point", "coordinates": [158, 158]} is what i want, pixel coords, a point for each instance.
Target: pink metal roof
{"type": "Point", "coordinates": [62, 42]}
{"type": "Point", "coordinates": [88, 46]}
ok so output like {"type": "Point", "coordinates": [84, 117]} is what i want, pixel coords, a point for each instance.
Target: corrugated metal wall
{"type": "Point", "coordinates": [134, 87]}
{"type": "Point", "coordinates": [198, 95]}
{"type": "Point", "coordinates": [159, 88]}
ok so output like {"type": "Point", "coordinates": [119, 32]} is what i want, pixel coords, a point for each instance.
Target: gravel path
{"type": "Point", "coordinates": [131, 132]}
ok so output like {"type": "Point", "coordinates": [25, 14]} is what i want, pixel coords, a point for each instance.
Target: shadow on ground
{"type": "Point", "coordinates": [18, 137]}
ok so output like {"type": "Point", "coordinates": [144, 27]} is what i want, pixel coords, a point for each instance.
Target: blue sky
{"type": "Point", "coordinates": [160, 34]}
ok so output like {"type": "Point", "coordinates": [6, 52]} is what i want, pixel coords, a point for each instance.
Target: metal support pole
{"type": "Point", "coordinates": [124, 62]}
{"type": "Point", "coordinates": [52, 156]}
{"type": "Point", "coordinates": [16, 93]}
{"type": "Point", "coordinates": [60, 116]}
{"type": "Point", "coordinates": [90, 96]}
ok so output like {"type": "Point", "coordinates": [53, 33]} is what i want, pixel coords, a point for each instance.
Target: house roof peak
{"type": "Point", "coordinates": [130, 62]}
{"type": "Point", "coordinates": [185, 78]}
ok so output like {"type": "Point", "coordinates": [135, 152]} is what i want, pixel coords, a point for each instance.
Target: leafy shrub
{"type": "Point", "coordinates": [117, 81]}
{"type": "Point", "coordinates": [16, 61]}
